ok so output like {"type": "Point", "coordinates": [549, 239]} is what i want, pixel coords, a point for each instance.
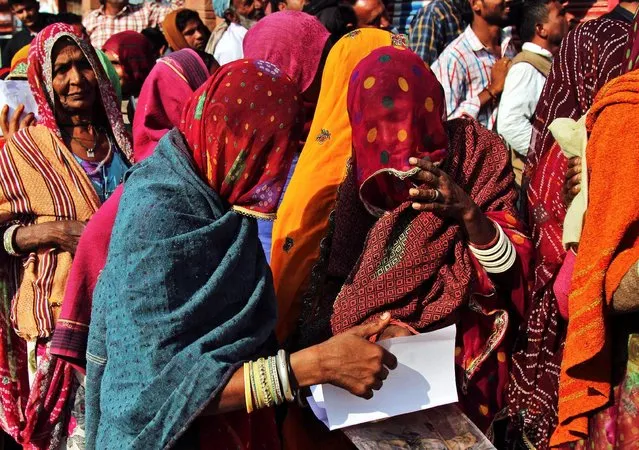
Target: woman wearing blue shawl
{"type": "Point", "coordinates": [185, 305]}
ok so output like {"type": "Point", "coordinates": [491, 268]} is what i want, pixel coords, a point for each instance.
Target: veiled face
{"type": "Point", "coordinates": [74, 82]}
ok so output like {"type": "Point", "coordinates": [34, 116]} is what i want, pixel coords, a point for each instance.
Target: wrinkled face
{"type": "Point", "coordinates": [495, 12]}
{"type": "Point", "coordinates": [125, 83]}
{"type": "Point", "coordinates": [74, 82]}
{"type": "Point", "coordinates": [27, 13]}
{"type": "Point", "coordinates": [251, 9]}
{"type": "Point", "coordinates": [196, 34]}
{"type": "Point", "coordinates": [557, 25]}
{"type": "Point", "coordinates": [371, 14]}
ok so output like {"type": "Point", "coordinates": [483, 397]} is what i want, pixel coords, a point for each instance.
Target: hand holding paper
{"type": "Point", "coordinates": [424, 378]}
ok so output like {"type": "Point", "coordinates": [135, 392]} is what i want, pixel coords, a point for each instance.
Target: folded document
{"type": "Point", "coordinates": [424, 378]}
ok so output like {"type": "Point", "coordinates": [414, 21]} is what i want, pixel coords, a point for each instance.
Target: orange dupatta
{"type": "Point", "coordinates": [304, 213]}
{"type": "Point", "coordinates": [609, 246]}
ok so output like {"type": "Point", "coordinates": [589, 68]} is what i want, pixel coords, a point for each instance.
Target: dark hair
{"type": "Point", "coordinates": [68, 18]}
{"type": "Point", "coordinates": [533, 12]}
{"type": "Point", "coordinates": [275, 5]}
{"type": "Point", "coordinates": [22, 2]}
{"type": "Point", "coordinates": [184, 17]}
{"type": "Point", "coordinates": [157, 39]}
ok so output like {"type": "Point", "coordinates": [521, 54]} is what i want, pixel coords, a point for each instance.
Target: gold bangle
{"type": "Point", "coordinates": [269, 381]}
{"type": "Point", "coordinates": [268, 398]}
{"type": "Point", "coordinates": [259, 398]}
{"type": "Point", "coordinates": [247, 389]}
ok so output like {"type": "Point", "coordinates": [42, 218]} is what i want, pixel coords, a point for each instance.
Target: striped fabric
{"type": "Point", "coordinates": [41, 182]}
{"type": "Point", "coordinates": [464, 69]}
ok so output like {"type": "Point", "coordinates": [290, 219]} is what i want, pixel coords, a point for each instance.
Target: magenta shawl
{"type": "Point", "coordinates": [170, 83]}
{"type": "Point", "coordinates": [294, 41]}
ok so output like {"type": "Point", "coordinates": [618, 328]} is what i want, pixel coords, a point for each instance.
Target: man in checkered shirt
{"type": "Point", "coordinates": [115, 16]}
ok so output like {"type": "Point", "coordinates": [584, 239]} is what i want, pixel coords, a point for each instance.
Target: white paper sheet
{"type": "Point", "coordinates": [15, 92]}
{"type": "Point", "coordinates": [424, 378]}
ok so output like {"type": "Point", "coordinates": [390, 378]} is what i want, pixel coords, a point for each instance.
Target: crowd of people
{"type": "Point", "coordinates": [201, 222]}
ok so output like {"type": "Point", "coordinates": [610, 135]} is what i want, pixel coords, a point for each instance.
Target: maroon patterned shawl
{"type": "Point", "coordinates": [589, 57]}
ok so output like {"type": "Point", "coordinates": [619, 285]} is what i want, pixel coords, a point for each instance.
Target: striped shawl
{"type": "Point", "coordinates": [41, 181]}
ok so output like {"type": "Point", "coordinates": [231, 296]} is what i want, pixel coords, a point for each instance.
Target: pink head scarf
{"type": "Point", "coordinates": [292, 40]}
{"type": "Point", "coordinates": [170, 84]}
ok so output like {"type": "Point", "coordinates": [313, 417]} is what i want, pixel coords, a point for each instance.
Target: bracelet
{"type": "Point", "coordinates": [494, 248]}
{"type": "Point", "coordinates": [263, 383]}
{"type": "Point", "coordinates": [248, 393]}
{"type": "Point", "coordinates": [276, 380]}
{"type": "Point", "coordinates": [282, 370]}
{"type": "Point", "coordinates": [9, 238]}
{"type": "Point", "coordinates": [500, 257]}
{"type": "Point", "coordinates": [255, 375]}
{"type": "Point", "coordinates": [269, 380]}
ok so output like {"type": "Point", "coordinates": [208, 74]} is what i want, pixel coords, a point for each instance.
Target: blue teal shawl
{"type": "Point", "coordinates": [185, 297]}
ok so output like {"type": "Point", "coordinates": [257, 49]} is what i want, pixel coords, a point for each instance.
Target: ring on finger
{"type": "Point", "coordinates": [437, 195]}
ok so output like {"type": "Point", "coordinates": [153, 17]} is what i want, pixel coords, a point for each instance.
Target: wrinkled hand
{"type": "Point", "coordinates": [451, 201]}
{"type": "Point", "coordinates": [393, 331]}
{"type": "Point", "coordinates": [11, 126]}
{"type": "Point", "coordinates": [351, 362]}
{"type": "Point", "coordinates": [498, 75]}
{"type": "Point", "coordinates": [65, 234]}
{"type": "Point", "coordinates": [572, 184]}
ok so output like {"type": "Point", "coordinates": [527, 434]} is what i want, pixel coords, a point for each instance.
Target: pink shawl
{"type": "Point", "coordinates": [170, 83]}
{"type": "Point", "coordinates": [294, 41]}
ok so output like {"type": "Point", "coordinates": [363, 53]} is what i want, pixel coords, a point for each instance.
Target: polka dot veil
{"type": "Point", "coordinates": [242, 127]}
{"type": "Point", "coordinates": [396, 108]}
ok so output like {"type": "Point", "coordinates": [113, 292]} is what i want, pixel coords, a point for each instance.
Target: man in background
{"type": "Point", "coordinates": [472, 69]}
{"type": "Point", "coordinates": [28, 13]}
{"type": "Point", "coordinates": [543, 27]}
{"type": "Point", "coordinates": [115, 16]}
{"type": "Point", "coordinates": [436, 25]}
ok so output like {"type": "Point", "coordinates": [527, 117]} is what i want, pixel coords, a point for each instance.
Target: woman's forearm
{"type": "Point", "coordinates": [32, 237]}
{"type": "Point", "coordinates": [479, 228]}
{"type": "Point", "coordinates": [305, 368]}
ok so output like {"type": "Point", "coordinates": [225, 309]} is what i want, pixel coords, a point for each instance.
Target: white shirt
{"type": "Point", "coordinates": [229, 48]}
{"type": "Point", "coordinates": [522, 90]}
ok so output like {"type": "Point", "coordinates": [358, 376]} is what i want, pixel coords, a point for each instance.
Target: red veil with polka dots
{"type": "Point", "coordinates": [417, 265]}
{"type": "Point", "coordinates": [243, 127]}
{"type": "Point", "coordinates": [397, 111]}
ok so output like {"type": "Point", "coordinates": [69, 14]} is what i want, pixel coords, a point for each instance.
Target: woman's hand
{"type": "Point", "coordinates": [10, 127]}
{"type": "Point", "coordinates": [347, 360]}
{"type": "Point", "coordinates": [445, 198]}
{"type": "Point", "coordinates": [393, 331]}
{"type": "Point", "coordinates": [572, 185]}
{"type": "Point", "coordinates": [440, 194]}
{"type": "Point", "coordinates": [62, 234]}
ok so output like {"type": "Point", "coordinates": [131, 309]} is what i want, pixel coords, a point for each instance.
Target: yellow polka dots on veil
{"type": "Point", "coordinates": [369, 82]}
{"type": "Point", "coordinates": [372, 135]}
{"type": "Point", "coordinates": [403, 84]}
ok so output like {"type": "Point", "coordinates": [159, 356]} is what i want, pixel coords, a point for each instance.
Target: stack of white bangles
{"type": "Point", "coordinates": [499, 257]}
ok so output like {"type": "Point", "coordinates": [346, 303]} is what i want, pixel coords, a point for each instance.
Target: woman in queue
{"type": "Point", "coordinates": [177, 365]}
{"type": "Point", "coordinates": [170, 84]}
{"type": "Point", "coordinates": [55, 176]}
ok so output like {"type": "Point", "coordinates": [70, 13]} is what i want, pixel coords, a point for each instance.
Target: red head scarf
{"type": "Point", "coordinates": [294, 41]}
{"type": "Point", "coordinates": [396, 108]}
{"type": "Point", "coordinates": [242, 127]}
{"type": "Point", "coordinates": [136, 56]}
{"type": "Point", "coordinates": [40, 74]}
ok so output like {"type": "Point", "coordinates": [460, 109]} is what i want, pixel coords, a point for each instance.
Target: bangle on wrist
{"type": "Point", "coordinates": [9, 239]}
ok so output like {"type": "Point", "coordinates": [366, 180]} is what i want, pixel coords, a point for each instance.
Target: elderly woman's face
{"type": "Point", "coordinates": [74, 82]}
